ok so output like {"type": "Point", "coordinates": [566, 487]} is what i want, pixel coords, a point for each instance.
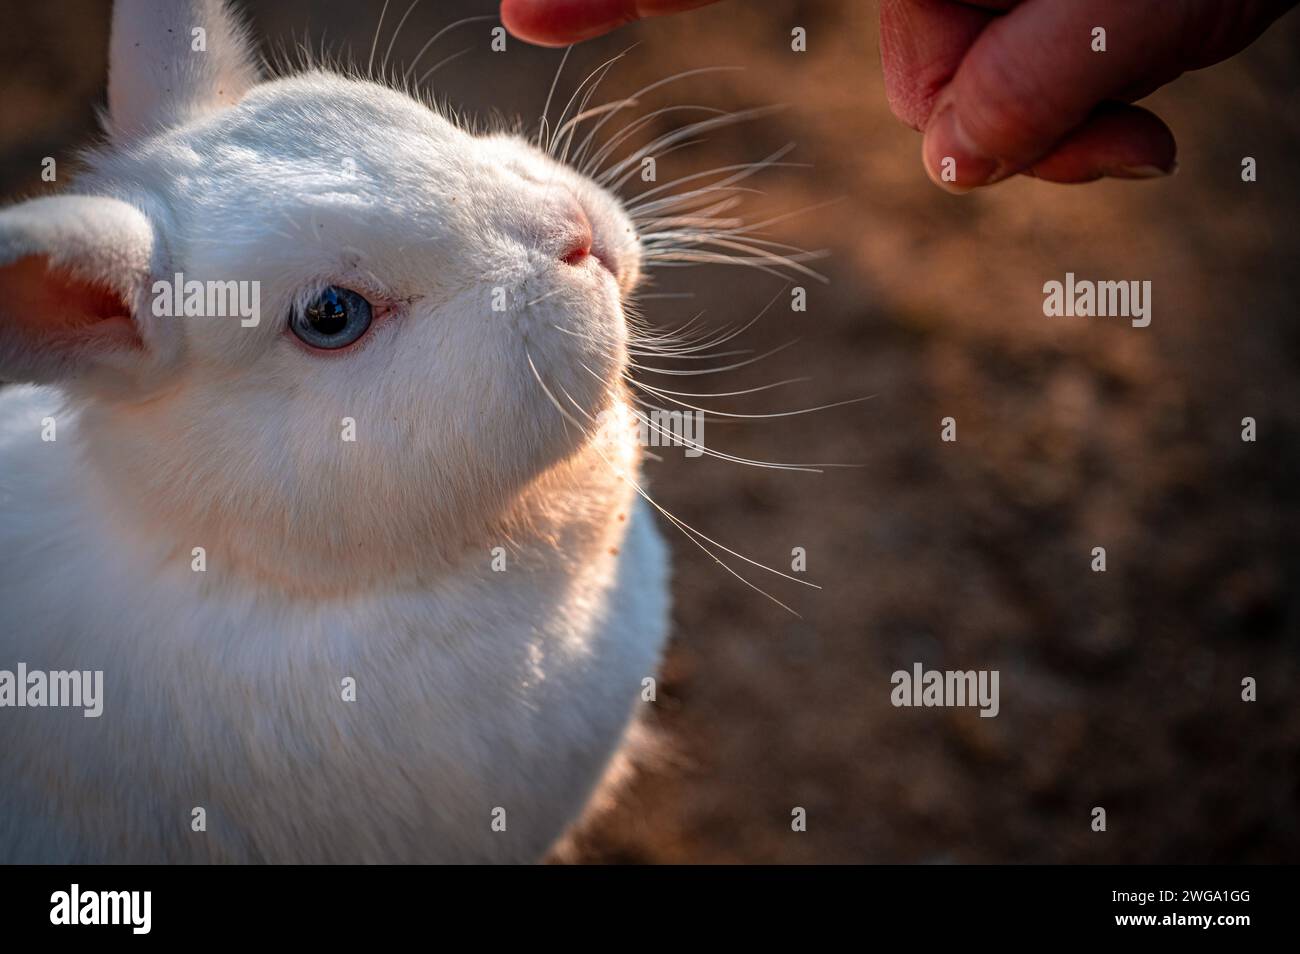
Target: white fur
{"type": "Point", "coordinates": [477, 690]}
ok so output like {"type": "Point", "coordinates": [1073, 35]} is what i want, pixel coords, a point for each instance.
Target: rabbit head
{"type": "Point", "coordinates": [412, 299]}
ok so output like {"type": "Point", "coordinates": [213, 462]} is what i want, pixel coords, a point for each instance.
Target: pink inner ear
{"type": "Point", "coordinates": [50, 308]}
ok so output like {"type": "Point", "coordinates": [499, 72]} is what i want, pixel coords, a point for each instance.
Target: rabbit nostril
{"type": "Point", "coordinates": [578, 245]}
{"type": "Point", "coordinates": [577, 253]}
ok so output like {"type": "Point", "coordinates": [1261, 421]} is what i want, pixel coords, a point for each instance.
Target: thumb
{"type": "Point", "coordinates": [1035, 78]}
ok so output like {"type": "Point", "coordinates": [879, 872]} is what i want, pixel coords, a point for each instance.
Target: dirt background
{"type": "Point", "coordinates": [1120, 689]}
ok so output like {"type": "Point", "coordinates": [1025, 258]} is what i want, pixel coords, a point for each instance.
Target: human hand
{"type": "Point", "coordinates": [1015, 86]}
{"type": "Point", "coordinates": [1002, 87]}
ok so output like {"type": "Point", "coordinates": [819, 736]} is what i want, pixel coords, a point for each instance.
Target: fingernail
{"type": "Point", "coordinates": [951, 159]}
{"type": "Point", "coordinates": [1141, 172]}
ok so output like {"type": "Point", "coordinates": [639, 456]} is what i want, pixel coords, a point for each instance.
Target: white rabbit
{"type": "Point", "coordinates": [355, 503]}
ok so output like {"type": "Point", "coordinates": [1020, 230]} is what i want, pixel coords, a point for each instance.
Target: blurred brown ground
{"type": "Point", "coordinates": [1119, 689]}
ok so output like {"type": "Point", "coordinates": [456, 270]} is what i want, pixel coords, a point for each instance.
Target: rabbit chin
{"type": "Point", "coordinates": [358, 521]}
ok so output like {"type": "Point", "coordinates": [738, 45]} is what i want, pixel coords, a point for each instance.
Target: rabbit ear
{"type": "Point", "coordinates": [74, 274]}
{"type": "Point", "coordinates": [173, 60]}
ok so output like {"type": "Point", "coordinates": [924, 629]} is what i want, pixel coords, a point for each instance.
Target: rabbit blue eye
{"type": "Point", "coordinates": [333, 319]}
